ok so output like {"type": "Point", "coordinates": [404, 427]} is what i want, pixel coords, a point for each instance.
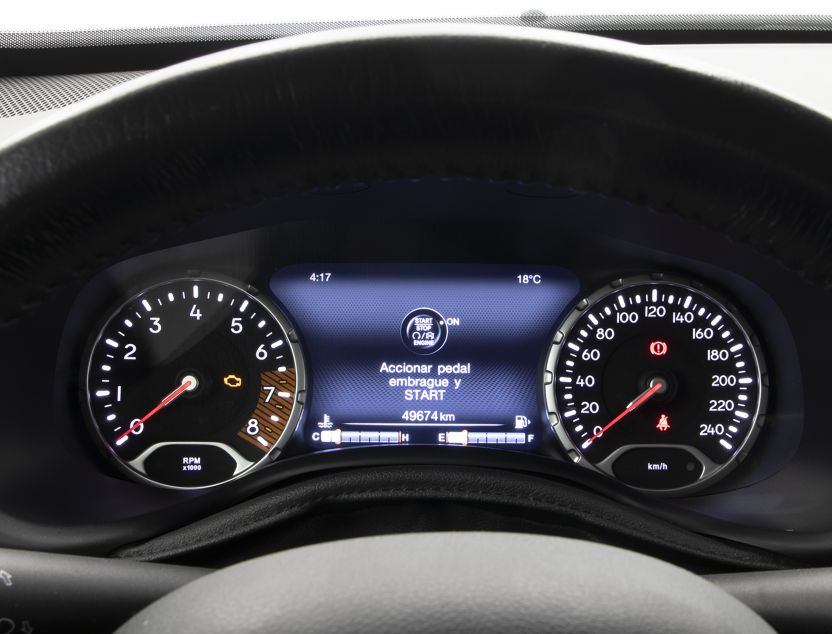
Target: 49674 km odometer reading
{"type": "Point", "coordinates": [657, 383]}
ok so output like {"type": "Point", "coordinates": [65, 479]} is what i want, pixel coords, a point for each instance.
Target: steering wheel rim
{"type": "Point", "coordinates": [106, 176]}
{"type": "Point", "coordinates": [450, 582]}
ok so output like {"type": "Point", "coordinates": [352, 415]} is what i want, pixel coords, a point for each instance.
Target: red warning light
{"type": "Point", "coordinates": [664, 423]}
{"type": "Point", "coordinates": [658, 348]}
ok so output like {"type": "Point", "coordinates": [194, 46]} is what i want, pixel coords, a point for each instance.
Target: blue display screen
{"type": "Point", "coordinates": [424, 354]}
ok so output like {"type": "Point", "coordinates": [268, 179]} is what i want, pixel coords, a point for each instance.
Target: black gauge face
{"type": "Point", "coordinates": [193, 382]}
{"type": "Point", "coordinates": [657, 384]}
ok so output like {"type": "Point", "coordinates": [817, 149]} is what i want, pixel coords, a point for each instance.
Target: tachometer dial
{"type": "Point", "coordinates": [657, 383]}
{"type": "Point", "coordinates": [194, 382]}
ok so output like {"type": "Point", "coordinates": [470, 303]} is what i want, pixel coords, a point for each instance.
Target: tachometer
{"type": "Point", "coordinates": [193, 382]}
{"type": "Point", "coordinates": [656, 382]}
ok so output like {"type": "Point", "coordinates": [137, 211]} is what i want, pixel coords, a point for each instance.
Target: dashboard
{"type": "Point", "coordinates": [379, 338]}
{"type": "Point", "coordinates": [425, 354]}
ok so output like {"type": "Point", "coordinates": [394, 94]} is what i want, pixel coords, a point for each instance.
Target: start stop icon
{"type": "Point", "coordinates": [424, 331]}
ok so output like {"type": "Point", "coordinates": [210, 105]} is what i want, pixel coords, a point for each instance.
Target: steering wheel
{"type": "Point", "coordinates": [112, 173]}
{"type": "Point", "coordinates": [450, 582]}
{"type": "Point", "coordinates": [515, 104]}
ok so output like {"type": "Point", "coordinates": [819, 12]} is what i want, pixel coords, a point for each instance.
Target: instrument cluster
{"type": "Point", "coordinates": [655, 380]}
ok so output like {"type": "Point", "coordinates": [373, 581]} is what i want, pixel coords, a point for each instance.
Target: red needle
{"type": "Point", "coordinates": [645, 396]}
{"type": "Point", "coordinates": [188, 383]}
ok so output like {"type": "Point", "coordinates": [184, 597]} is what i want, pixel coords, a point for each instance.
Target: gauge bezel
{"type": "Point", "coordinates": [292, 338]}
{"type": "Point", "coordinates": [712, 472]}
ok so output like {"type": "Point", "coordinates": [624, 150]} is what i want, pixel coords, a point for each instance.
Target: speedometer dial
{"type": "Point", "coordinates": [657, 383]}
{"type": "Point", "coordinates": [193, 382]}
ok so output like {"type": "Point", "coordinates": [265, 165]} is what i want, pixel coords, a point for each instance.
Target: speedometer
{"type": "Point", "coordinates": [657, 383]}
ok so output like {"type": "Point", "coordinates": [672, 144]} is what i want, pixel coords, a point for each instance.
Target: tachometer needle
{"type": "Point", "coordinates": [188, 384]}
{"type": "Point", "coordinates": [655, 387]}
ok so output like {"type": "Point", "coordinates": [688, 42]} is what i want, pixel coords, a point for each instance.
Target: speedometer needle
{"type": "Point", "coordinates": [188, 384]}
{"type": "Point", "coordinates": [655, 387]}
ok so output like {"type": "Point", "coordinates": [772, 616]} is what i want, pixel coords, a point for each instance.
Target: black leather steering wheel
{"type": "Point", "coordinates": [112, 173]}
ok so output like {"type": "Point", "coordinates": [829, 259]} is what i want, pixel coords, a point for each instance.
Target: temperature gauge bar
{"type": "Point", "coordinates": [343, 437]}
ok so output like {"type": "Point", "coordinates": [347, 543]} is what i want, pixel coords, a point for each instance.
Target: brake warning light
{"type": "Point", "coordinates": [658, 348]}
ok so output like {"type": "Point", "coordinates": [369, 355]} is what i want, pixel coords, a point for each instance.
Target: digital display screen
{"type": "Point", "coordinates": [424, 354]}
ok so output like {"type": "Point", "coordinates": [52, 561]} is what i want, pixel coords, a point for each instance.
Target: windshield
{"type": "Point", "coordinates": [55, 15]}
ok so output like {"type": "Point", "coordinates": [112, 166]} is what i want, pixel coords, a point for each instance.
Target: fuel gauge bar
{"type": "Point", "coordinates": [465, 437]}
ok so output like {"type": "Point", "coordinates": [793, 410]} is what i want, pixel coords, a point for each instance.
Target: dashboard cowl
{"type": "Point", "coordinates": [388, 500]}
